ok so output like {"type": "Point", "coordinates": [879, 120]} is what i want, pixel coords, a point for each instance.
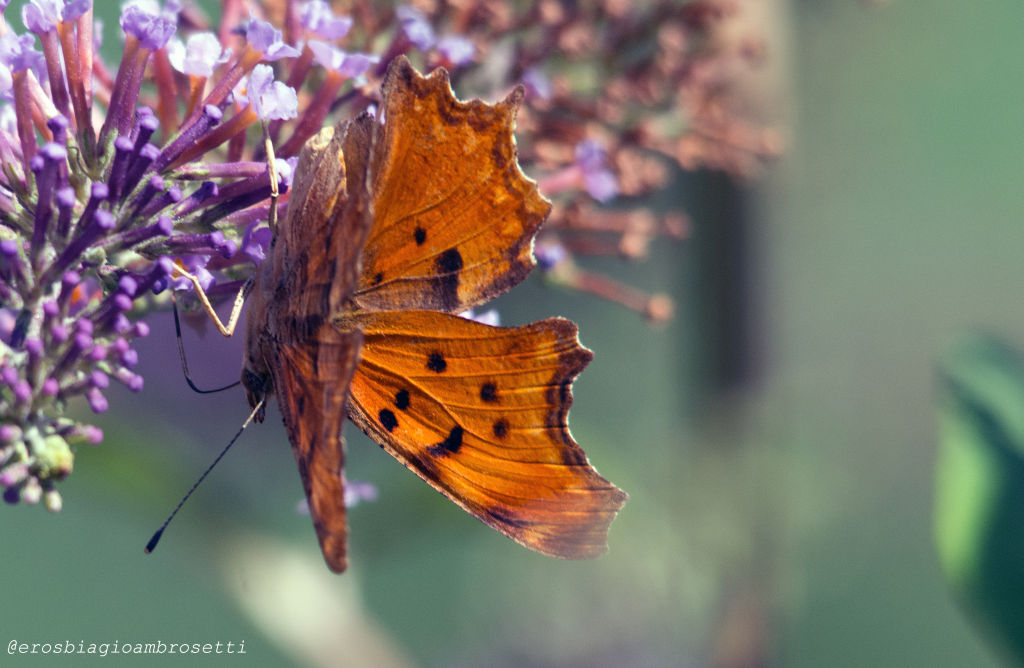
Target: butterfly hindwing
{"type": "Point", "coordinates": [311, 380]}
{"type": "Point", "coordinates": [454, 217]}
{"type": "Point", "coordinates": [479, 412]}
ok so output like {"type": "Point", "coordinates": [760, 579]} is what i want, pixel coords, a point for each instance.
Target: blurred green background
{"type": "Point", "coordinates": [777, 438]}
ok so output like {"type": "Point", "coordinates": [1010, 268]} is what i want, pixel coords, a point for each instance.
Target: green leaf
{"type": "Point", "coordinates": [979, 487]}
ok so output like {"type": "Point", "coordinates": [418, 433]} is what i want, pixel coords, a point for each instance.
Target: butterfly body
{"type": "Point", "coordinates": [353, 315]}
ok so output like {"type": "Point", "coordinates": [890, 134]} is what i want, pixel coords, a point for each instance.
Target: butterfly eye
{"type": "Point", "coordinates": [254, 383]}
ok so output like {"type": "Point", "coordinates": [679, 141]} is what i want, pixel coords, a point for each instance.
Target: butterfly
{"type": "Point", "coordinates": [395, 224]}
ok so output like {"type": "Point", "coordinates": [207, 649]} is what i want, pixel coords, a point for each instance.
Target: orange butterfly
{"type": "Point", "coordinates": [391, 229]}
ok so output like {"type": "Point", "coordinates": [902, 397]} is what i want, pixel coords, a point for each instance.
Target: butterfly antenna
{"type": "Point", "coordinates": [160, 532]}
{"type": "Point", "coordinates": [181, 354]}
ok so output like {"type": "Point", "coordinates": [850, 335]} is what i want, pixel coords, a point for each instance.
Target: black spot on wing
{"type": "Point", "coordinates": [402, 399]}
{"type": "Point", "coordinates": [388, 419]}
{"type": "Point", "coordinates": [489, 392]}
{"type": "Point", "coordinates": [501, 428]}
{"type": "Point", "coordinates": [450, 445]}
{"type": "Point", "coordinates": [378, 277]}
{"type": "Point", "coordinates": [450, 261]}
{"type": "Point", "coordinates": [436, 362]}
{"type": "Point", "coordinates": [420, 235]}
{"type": "Point", "coordinates": [446, 282]}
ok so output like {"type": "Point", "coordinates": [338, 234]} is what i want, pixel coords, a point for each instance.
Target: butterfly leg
{"type": "Point", "coordinates": [268, 147]}
{"type": "Point", "coordinates": [236, 310]}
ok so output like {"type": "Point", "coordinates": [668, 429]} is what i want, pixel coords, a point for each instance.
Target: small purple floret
{"type": "Point", "coordinates": [22, 391]}
{"type": "Point", "coordinates": [200, 54]}
{"type": "Point", "coordinates": [121, 324]}
{"type": "Point", "coordinates": [17, 52]}
{"type": "Point", "coordinates": [13, 474]}
{"type": "Point", "coordinates": [598, 180]}
{"type": "Point", "coordinates": [316, 16]}
{"type": "Point", "coordinates": [271, 100]}
{"type": "Point", "coordinates": [34, 346]}
{"type": "Point", "coordinates": [268, 40]}
{"type": "Point", "coordinates": [255, 242]}
{"type": "Point", "coordinates": [458, 50]}
{"type": "Point", "coordinates": [9, 433]}
{"type": "Point", "coordinates": [550, 254]}
{"type": "Point", "coordinates": [130, 358]}
{"type": "Point", "coordinates": [41, 16]}
{"type": "Point", "coordinates": [153, 31]}
{"type": "Point", "coordinates": [356, 64]}
{"type": "Point", "coordinates": [53, 151]}
{"type": "Point", "coordinates": [97, 402]}
{"type": "Point", "coordinates": [75, 9]}
{"type": "Point", "coordinates": [9, 375]}
{"type": "Point", "coordinates": [66, 197]}
{"type": "Point", "coordinates": [128, 285]}
{"type": "Point", "coordinates": [59, 333]}
{"type": "Point", "coordinates": [415, 27]}
{"type": "Point", "coordinates": [99, 379]}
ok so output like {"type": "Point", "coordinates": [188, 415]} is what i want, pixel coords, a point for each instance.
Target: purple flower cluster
{"type": "Point", "coordinates": [118, 183]}
{"type": "Point", "coordinates": [96, 221]}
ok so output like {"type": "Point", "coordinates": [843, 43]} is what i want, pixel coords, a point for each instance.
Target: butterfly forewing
{"type": "Point", "coordinates": [454, 217]}
{"type": "Point", "coordinates": [316, 251]}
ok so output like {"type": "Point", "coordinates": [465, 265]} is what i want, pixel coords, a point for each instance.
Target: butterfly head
{"type": "Point", "coordinates": [256, 376]}
{"type": "Point", "coordinates": [257, 387]}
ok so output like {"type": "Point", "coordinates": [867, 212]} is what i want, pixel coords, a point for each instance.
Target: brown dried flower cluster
{"type": "Point", "coordinates": [620, 96]}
